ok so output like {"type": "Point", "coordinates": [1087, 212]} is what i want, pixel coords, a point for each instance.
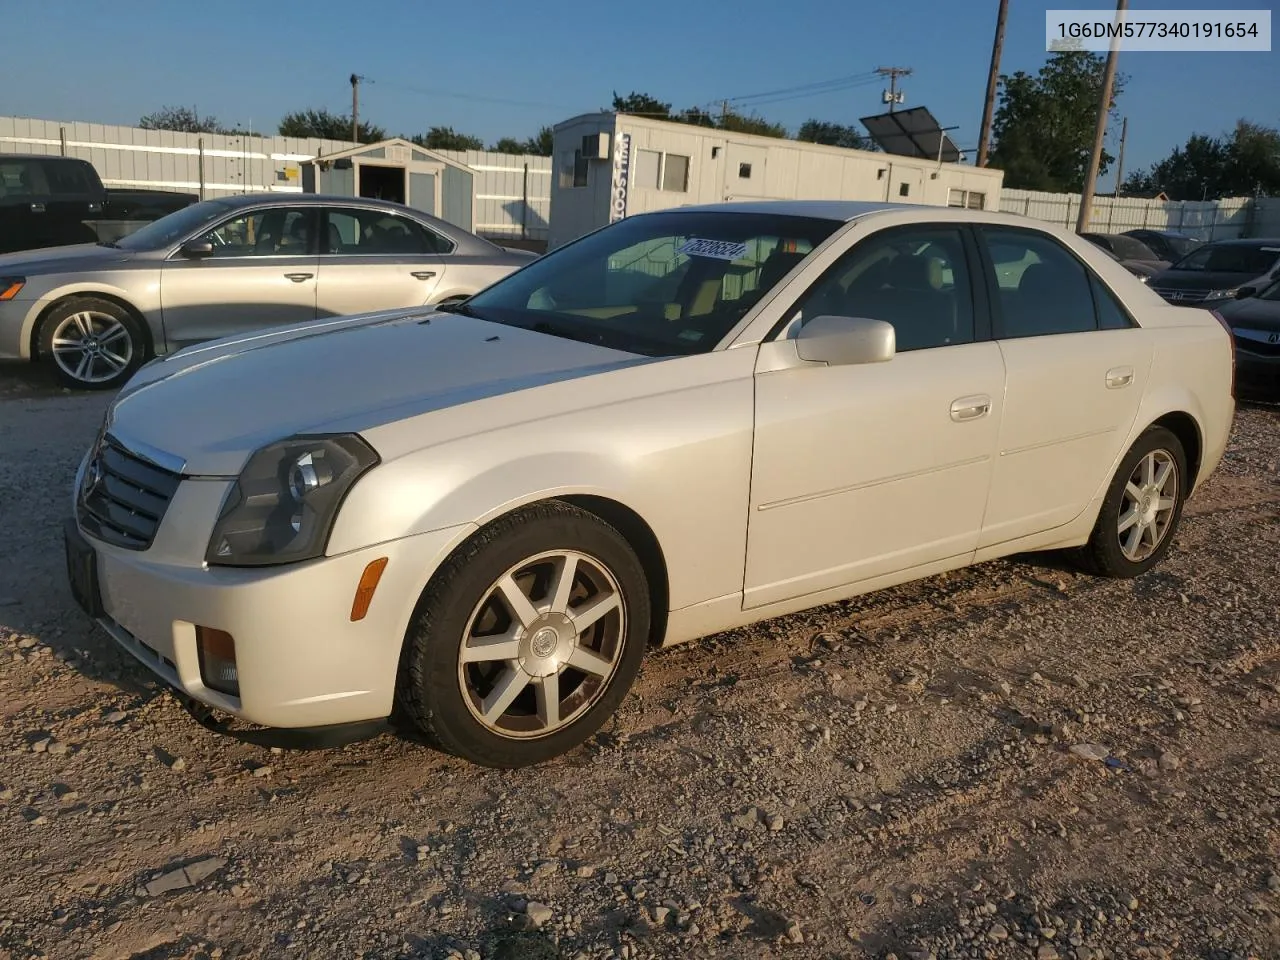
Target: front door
{"type": "Point", "coordinates": [1077, 367]}
{"type": "Point", "coordinates": [861, 471]}
{"type": "Point", "coordinates": [261, 273]}
{"type": "Point", "coordinates": [377, 260]}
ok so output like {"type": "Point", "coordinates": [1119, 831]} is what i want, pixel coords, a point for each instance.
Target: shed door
{"type": "Point", "coordinates": [744, 171]}
{"type": "Point", "coordinates": [422, 192]}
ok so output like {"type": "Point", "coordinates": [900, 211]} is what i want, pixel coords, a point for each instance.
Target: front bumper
{"type": "Point", "coordinates": [17, 321]}
{"type": "Point", "coordinates": [301, 661]}
{"type": "Point", "coordinates": [1257, 375]}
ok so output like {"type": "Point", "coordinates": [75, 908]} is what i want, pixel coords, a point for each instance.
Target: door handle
{"type": "Point", "coordinates": [423, 274]}
{"type": "Point", "coordinates": [970, 408]}
{"type": "Point", "coordinates": [1118, 377]}
{"type": "Point", "coordinates": [299, 277]}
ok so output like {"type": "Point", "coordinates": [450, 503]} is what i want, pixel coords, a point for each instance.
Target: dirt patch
{"type": "Point", "coordinates": [893, 774]}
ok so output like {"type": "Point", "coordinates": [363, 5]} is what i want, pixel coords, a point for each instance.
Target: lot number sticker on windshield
{"type": "Point", "coordinates": [718, 249]}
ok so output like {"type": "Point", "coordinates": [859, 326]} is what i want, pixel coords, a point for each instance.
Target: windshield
{"type": "Point", "coordinates": [1270, 293]}
{"type": "Point", "coordinates": [1230, 258]}
{"type": "Point", "coordinates": [660, 284]}
{"type": "Point", "coordinates": [176, 226]}
{"type": "Point", "coordinates": [1181, 246]}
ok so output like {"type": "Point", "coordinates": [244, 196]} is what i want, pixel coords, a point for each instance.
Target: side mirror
{"type": "Point", "coordinates": [843, 341]}
{"type": "Point", "coordinates": [1244, 293]}
{"type": "Point", "coordinates": [197, 248]}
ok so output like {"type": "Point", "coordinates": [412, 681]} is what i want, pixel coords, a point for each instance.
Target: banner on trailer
{"type": "Point", "coordinates": [621, 174]}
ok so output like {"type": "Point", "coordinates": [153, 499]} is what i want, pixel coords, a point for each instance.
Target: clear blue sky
{"type": "Point", "coordinates": [250, 61]}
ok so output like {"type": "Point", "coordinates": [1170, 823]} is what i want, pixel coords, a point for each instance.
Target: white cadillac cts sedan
{"type": "Point", "coordinates": [478, 521]}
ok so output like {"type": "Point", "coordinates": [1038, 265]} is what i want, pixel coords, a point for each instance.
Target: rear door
{"type": "Point", "coordinates": [1076, 368]}
{"type": "Point", "coordinates": [262, 273]}
{"type": "Point", "coordinates": [374, 259]}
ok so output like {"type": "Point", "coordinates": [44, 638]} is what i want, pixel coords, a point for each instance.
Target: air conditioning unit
{"type": "Point", "coordinates": [595, 146]}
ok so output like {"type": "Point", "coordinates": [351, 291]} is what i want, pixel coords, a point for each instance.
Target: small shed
{"type": "Point", "coordinates": [401, 171]}
{"type": "Point", "coordinates": [611, 165]}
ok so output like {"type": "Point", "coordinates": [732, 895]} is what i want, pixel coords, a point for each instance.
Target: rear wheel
{"type": "Point", "coordinates": [1142, 508]}
{"type": "Point", "coordinates": [94, 344]}
{"type": "Point", "coordinates": [527, 639]}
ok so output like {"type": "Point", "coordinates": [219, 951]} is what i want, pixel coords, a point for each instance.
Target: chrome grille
{"type": "Point", "coordinates": [122, 497]}
{"type": "Point", "coordinates": [1175, 295]}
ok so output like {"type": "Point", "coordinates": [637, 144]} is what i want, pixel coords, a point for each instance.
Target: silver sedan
{"type": "Point", "coordinates": [227, 267]}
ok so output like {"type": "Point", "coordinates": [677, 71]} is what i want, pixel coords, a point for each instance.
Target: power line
{"type": "Point", "coordinates": [817, 86]}
{"type": "Point", "coordinates": [872, 81]}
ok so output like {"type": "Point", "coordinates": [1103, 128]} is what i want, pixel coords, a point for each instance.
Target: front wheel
{"type": "Point", "coordinates": [1142, 507]}
{"type": "Point", "coordinates": [527, 639]}
{"type": "Point", "coordinates": [94, 344]}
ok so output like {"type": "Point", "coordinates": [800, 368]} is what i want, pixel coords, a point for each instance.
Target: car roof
{"type": "Point", "coordinates": [838, 210]}
{"type": "Point", "coordinates": [1253, 242]}
{"type": "Point", "coordinates": [41, 156]}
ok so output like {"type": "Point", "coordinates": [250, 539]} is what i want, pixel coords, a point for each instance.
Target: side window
{"type": "Point", "coordinates": [374, 233]}
{"type": "Point", "coordinates": [1111, 316]}
{"type": "Point", "coordinates": [282, 232]}
{"type": "Point", "coordinates": [1041, 288]}
{"type": "Point", "coordinates": [916, 279]}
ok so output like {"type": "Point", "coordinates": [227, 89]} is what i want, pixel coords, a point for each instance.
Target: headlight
{"type": "Point", "coordinates": [1144, 278]}
{"type": "Point", "coordinates": [1221, 294]}
{"type": "Point", "coordinates": [283, 505]}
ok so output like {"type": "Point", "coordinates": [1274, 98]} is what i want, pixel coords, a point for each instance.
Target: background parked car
{"type": "Point", "coordinates": [1254, 318]}
{"type": "Point", "coordinates": [1136, 256]}
{"type": "Point", "coordinates": [55, 201]}
{"type": "Point", "coordinates": [231, 266]}
{"type": "Point", "coordinates": [1166, 244]}
{"type": "Point", "coordinates": [1215, 271]}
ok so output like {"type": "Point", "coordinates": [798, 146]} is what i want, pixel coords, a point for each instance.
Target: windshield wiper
{"type": "Point", "coordinates": [458, 306]}
{"type": "Point", "coordinates": [110, 243]}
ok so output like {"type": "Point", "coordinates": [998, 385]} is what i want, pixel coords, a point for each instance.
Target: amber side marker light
{"type": "Point", "coordinates": [217, 651]}
{"type": "Point", "coordinates": [365, 588]}
{"type": "Point", "coordinates": [9, 287]}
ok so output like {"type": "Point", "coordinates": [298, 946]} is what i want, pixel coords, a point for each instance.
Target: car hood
{"type": "Point", "coordinates": [68, 259]}
{"type": "Point", "coordinates": [211, 406]}
{"type": "Point", "coordinates": [1252, 313]}
{"type": "Point", "coordinates": [1200, 280]}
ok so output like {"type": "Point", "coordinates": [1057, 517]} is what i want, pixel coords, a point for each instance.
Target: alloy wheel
{"type": "Point", "coordinates": [92, 347]}
{"type": "Point", "coordinates": [1148, 505]}
{"type": "Point", "coordinates": [542, 645]}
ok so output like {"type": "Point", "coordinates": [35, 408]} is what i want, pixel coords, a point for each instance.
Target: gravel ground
{"type": "Point", "coordinates": [1009, 761]}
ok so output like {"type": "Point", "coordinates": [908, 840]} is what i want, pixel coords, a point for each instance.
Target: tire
{"type": "Point", "coordinates": [1114, 550]}
{"type": "Point", "coordinates": [466, 707]}
{"type": "Point", "coordinates": [93, 344]}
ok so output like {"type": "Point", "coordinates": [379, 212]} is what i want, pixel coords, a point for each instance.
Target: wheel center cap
{"type": "Point", "coordinates": [546, 645]}
{"type": "Point", "coordinates": [543, 643]}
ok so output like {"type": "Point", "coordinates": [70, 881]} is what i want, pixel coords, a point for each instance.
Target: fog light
{"type": "Point", "coordinates": [217, 651]}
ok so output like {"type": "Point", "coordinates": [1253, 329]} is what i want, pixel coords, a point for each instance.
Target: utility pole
{"type": "Point", "coordinates": [892, 97]}
{"type": "Point", "coordinates": [1100, 128]}
{"type": "Point", "coordinates": [1124, 135]}
{"type": "Point", "coordinates": [993, 79]}
{"type": "Point", "coordinates": [355, 107]}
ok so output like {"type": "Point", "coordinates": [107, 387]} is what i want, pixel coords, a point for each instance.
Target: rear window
{"type": "Point", "coordinates": [35, 177]}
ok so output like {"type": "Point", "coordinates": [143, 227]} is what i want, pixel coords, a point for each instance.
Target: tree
{"type": "Point", "coordinates": [327, 126]}
{"type": "Point", "coordinates": [181, 120]}
{"type": "Point", "coordinates": [540, 144]}
{"type": "Point", "coordinates": [1044, 124]}
{"type": "Point", "coordinates": [753, 124]}
{"type": "Point", "coordinates": [1244, 163]}
{"type": "Point", "coordinates": [508, 145]}
{"type": "Point", "coordinates": [447, 138]}
{"type": "Point", "coordinates": [642, 105]}
{"type": "Point", "coordinates": [832, 134]}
